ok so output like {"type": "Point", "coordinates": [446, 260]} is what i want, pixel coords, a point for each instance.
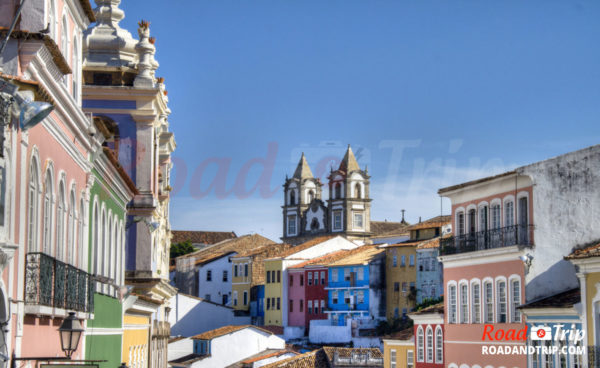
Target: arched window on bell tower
{"type": "Point", "coordinates": [338, 191]}
{"type": "Point", "coordinates": [292, 198]}
{"type": "Point", "coordinates": [357, 191]}
{"type": "Point", "coordinates": [311, 196]}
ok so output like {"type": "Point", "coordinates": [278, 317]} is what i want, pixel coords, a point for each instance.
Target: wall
{"type": "Point", "coordinates": [273, 290]}
{"type": "Point", "coordinates": [316, 292]}
{"type": "Point", "coordinates": [322, 332]}
{"type": "Point", "coordinates": [428, 278]}
{"type": "Point", "coordinates": [99, 344]}
{"type": "Point", "coordinates": [240, 283]}
{"type": "Point", "coordinates": [180, 348]}
{"type": "Point", "coordinates": [296, 294]}
{"type": "Point", "coordinates": [188, 316]}
{"type": "Point", "coordinates": [231, 348]}
{"type": "Point", "coordinates": [135, 335]}
{"type": "Point", "coordinates": [401, 348]}
{"type": "Point", "coordinates": [217, 287]}
{"type": "Point", "coordinates": [399, 274]}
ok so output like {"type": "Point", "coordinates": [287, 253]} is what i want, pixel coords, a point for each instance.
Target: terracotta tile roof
{"type": "Point", "coordinates": [388, 228]}
{"type": "Point", "coordinates": [228, 246]}
{"type": "Point", "coordinates": [312, 359]}
{"type": "Point", "coordinates": [305, 245]}
{"type": "Point", "coordinates": [347, 352]}
{"type": "Point", "coordinates": [325, 259]}
{"type": "Point", "coordinates": [201, 237]}
{"type": "Point", "coordinates": [257, 256]}
{"type": "Point", "coordinates": [57, 55]}
{"type": "Point", "coordinates": [403, 244]}
{"type": "Point", "coordinates": [566, 299]}
{"type": "Point", "coordinates": [276, 330]}
{"type": "Point", "coordinates": [225, 330]}
{"type": "Point", "coordinates": [432, 309]}
{"type": "Point", "coordinates": [40, 91]}
{"type": "Point", "coordinates": [434, 222]}
{"type": "Point", "coordinates": [361, 255]}
{"type": "Point", "coordinates": [266, 354]}
{"type": "Point", "coordinates": [587, 251]}
{"type": "Point", "coordinates": [403, 335]}
{"type": "Point", "coordinates": [431, 243]}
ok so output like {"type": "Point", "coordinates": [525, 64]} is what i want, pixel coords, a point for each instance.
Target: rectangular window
{"type": "Point", "coordinates": [516, 300]}
{"type": "Point", "coordinates": [268, 303]}
{"type": "Point", "coordinates": [412, 260]}
{"type": "Point", "coordinates": [224, 276]}
{"type": "Point", "coordinates": [337, 220]}
{"type": "Point", "coordinates": [410, 359]}
{"type": "Point", "coordinates": [489, 302]}
{"type": "Point", "coordinates": [235, 299]}
{"type": "Point", "coordinates": [361, 273]}
{"type": "Point", "coordinates": [360, 297]}
{"type": "Point", "coordinates": [301, 305]}
{"type": "Point", "coordinates": [346, 274]}
{"type": "Point", "coordinates": [322, 306]}
{"type": "Point", "coordinates": [483, 218]}
{"type": "Point", "coordinates": [452, 304]}
{"type": "Point", "coordinates": [509, 214]}
{"type": "Point", "coordinates": [358, 220]}
{"type": "Point", "coordinates": [334, 297]}
{"type": "Point", "coordinates": [334, 275]}
{"type": "Point", "coordinates": [301, 280]}
{"type": "Point", "coordinates": [461, 223]}
{"type": "Point", "coordinates": [235, 271]}
{"type": "Point", "coordinates": [209, 275]}
{"type": "Point", "coordinates": [347, 297]}
{"type": "Point", "coordinates": [464, 304]}
{"type": "Point", "coordinates": [246, 270]}
{"type": "Point", "coordinates": [309, 279]}
{"type": "Point", "coordinates": [207, 297]}
{"type": "Point", "coordinates": [403, 260]}
{"type": "Point", "coordinates": [501, 302]}
{"type": "Point", "coordinates": [291, 306]}
{"type": "Point", "coordinates": [404, 287]}
{"type": "Point", "coordinates": [278, 303]}
{"type": "Point", "coordinates": [393, 358]}
{"type": "Point", "coordinates": [496, 216]}
{"type": "Point", "coordinates": [278, 276]}
{"type": "Point", "coordinates": [476, 295]}
{"type": "Point", "coordinates": [322, 277]}
{"type": "Point", "coordinates": [292, 225]}
{"type": "Point", "coordinates": [268, 277]}
{"type": "Point", "coordinates": [245, 297]}
{"type": "Point", "coordinates": [309, 307]}
{"type": "Point", "coordinates": [394, 259]}
{"type": "Point", "coordinates": [291, 280]}
{"type": "Point", "coordinates": [396, 286]}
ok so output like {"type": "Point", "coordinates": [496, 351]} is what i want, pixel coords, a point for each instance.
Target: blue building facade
{"type": "Point", "coordinates": [257, 301]}
{"type": "Point", "coordinates": [348, 293]}
{"type": "Point", "coordinates": [430, 275]}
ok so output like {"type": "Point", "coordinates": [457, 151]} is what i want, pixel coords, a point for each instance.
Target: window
{"type": "Point", "coordinates": [357, 191]}
{"type": "Point", "coordinates": [334, 275]}
{"type": "Point", "coordinates": [311, 196]}
{"type": "Point", "coordinates": [278, 276]}
{"type": "Point", "coordinates": [301, 280]}
{"type": "Point", "coordinates": [489, 302]}
{"type": "Point", "coordinates": [338, 191]}
{"type": "Point", "coordinates": [278, 303]}
{"type": "Point", "coordinates": [337, 220]}
{"type": "Point", "coordinates": [309, 278]}
{"type": "Point", "coordinates": [291, 306]}
{"type": "Point", "coordinates": [33, 207]}
{"type": "Point", "coordinates": [48, 214]}
{"type": "Point", "coordinates": [82, 261]}
{"type": "Point", "coordinates": [411, 260]}
{"type": "Point", "coordinates": [268, 276]}
{"type": "Point", "coordinates": [483, 218]}
{"type": "Point", "coordinates": [360, 297]}
{"type": "Point", "coordinates": [322, 277]}
{"type": "Point", "coordinates": [452, 304]}
{"type": "Point", "coordinates": [501, 302]}
{"type": "Point", "coordinates": [245, 297]}
{"type": "Point", "coordinates": [464, 304]}
{"type": "Point", "coordinates": [246, 270]}
{"type": "Point", "coordinates": [292, 225]}
{"type": "Point", "coordinates": [292, 197]}
{"type": "Point", "coordinates": [439, 345]}
{"type": "Point", "coordinates": [516, 300]}
{"type": "Point", "coordinates": [224, 299]}
{"type": "Point", "coordinates": [460, 219]}
{"type": "Point", "coordinates": [394, 259]}
{"type": "Point", "coordinates": [396, 286]}
{"type": "Point", "coordinates": [334, 297]}
{"type": "Point", "coordinates": [301, 305]}
{"type": "Point", "coordinates": [420, 345]}
{"type": "Point", "coordinates": [509, 214]}
{"type": "Point", "coordinates": [209, 275]}
{"type": "Point", "coordinates": [472, 225]}
{"type": "Point", "coordinates": [322, 306]}
{"type": "Point", "coordinates": [224, 276]}
{"type": "Point", "coordinates": [309, 307]}
{"type": "Point", "coordinates": [410, 359]}
{"type": "Point", "coordinates": [291, 280]}
{"type": "Point", "coordinates": [75, 68]}
{"type": "Point", "coordinates": [316, 278]}
{"type": "Point", "coordinates": [403, 260]}
{"type": "Point", "coordinates": [268, 301]}
{"type": "Point", "coordinates": [429, 344]}
{"type": "Point", "coordinates": [235, 271]}
{"type": "Point", "coordinates": [346, 274]}
{"type": "Point", "coordinates": [64, 40]}
{"type": "Point", "coordinates": [235, 299]}
{"type": "Point", "coordinates": [361, 273]}
{"type": "Point", "coordinates": [316, 304]}
{"type": "Point", "coordinates": [404, 287]}
{"type": "Point", "coordinates": [496, 216]}
{"type": "Point", "coordinates": [207, 297]}
{"type": "Point", "coordinates": [358, 220]}
{"type": "Point", "coordinates": [60, 223]}
{"type": "Point", "coordinates": [347, 297]}
{"type": "Point", "coordinates": [393, 358]}
{"type": "Point", "coordinates": [476, 295]}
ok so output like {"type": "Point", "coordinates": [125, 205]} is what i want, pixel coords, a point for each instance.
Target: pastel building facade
{"type": "Point", "coordinates": [400, 278]}
{"type": "Point", "coordinates": [429, 336]}
{"type": "Point", "coordinates": [399, 349]}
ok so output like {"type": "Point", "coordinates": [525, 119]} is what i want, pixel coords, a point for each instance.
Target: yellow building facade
{"type": "Point", "coordinates": [241, 282]}
{"type": "Point", "coordinates": [401, 278]}
{"type": "Point", "coordinates": [399, 349]}
{"type": "Point", "coordinates": [273, 292]}
{"type": "Point", "coordinates": [136, 338]}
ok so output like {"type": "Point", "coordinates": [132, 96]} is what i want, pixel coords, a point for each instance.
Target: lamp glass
{"type": "Point", "coordinates": [34, 112]}
{"type": "Point", "coordinates": [70, 333]}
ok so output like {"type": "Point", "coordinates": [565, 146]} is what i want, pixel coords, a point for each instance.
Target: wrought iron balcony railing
{"type": "Point", "coordinates": [52, 283]}
{"type": "Point", "coordinates": [521, 235]}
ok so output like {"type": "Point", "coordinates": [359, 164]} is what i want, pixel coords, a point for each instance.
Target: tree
{"type": "Point", "coordinates": [180, 249]}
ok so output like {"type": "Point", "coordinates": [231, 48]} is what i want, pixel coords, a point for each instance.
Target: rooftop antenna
{"type": "Point", "coordinates": [403, 210]}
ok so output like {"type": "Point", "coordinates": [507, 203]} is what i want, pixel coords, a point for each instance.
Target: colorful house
{"type": "Point", "coordinates": [400, 278]}
{"type": "Point", "coordinates": [399, 349]}
{"type": "Point", "coordinates": [276, 271]}
{"type": "Point", "coordinates": [356, 287]}
{"type": "Point", "coordinates": [429, 336]}
{"type": "Point", "coordinates": [111, 190]}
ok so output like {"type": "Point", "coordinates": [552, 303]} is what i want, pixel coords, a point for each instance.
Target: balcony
{"type": "Point", "coordinates": [521, 235]}
{"type": "Point", "coordinates": [593, 356]}
{"type": "Point", "coordinates": [50, 283]}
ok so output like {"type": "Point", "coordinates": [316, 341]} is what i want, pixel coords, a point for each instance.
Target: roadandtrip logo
{"type": "Point", "coordinates": [559, 338]}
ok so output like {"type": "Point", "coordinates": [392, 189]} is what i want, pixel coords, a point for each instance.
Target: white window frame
{"type": "Point", "coordinates": [501, 305]}
{"type": "Point", "coordinates": [475, 301]}
{"type": "Point", "coordinates": [61, 212]}
{"type": "Point", "coordinates": [429, 344]}
{"type": "Point", "coordinates": [337, 216]}
{"type": "Point", "coordinates": [515, 299]}
{"type": "Point", "coordinates": [463, 299]}
{"type": "Point", "coordinates": [392, 358]}
{"type": "Point", "coordinates": [420, 344]}
{"type": "Point", "coordinates": [509, 211]}
{"type": "Point", "coordinates": [48, 212]}
{"type": "Point", "coordinates": [488, 301]}
{"type": "Point", "coordinates": [292, 222]}
{"type": "Point", "coordinates": [452, 302]}
{"type": "Point", "coordinates": [33, 205]}
{"type": "Point", "coordinates": [358, 220]}
{"type": "Point", "coordinates": [410, 359]}
{"type": "Point", "coordinates": [439, 345]}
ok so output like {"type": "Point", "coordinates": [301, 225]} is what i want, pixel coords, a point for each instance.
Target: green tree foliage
{"type": "Point", "coordinates": [429, 302]}
{"type": "Point", "coordinates": [393, 325]}
{"type": "Point", "coordinates": [182, 248]}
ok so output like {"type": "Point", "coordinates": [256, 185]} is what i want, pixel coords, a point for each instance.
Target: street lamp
{"type": "Point", "coordinates": [70, 333]}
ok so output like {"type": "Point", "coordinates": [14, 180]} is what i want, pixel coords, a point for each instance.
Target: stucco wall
{"type": "Point", "coordinates": [322, 332]}
{"type": "Point", "coordinates": [217, 287]}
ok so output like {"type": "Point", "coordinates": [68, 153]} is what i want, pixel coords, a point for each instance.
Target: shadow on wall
{"type": "Point", "coordinates": [547, 284]}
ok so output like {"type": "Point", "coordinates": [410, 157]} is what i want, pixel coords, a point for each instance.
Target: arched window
{"type": "Point", "coordinates": [109, 245]}
{"type": "Point", "coordinates": [115, 251]}
{"type": "Point", "coordinates": [80, 240]}
{"type": "Point", "coordinates": [71, 228]}
{"type": "Point", "coordinates": [60, 223]}
{"type": "Point", "coordinates": [311, 196]}
{"type": "Point", "coordinates": [501, 290]}
{"type": "Point", "coordinates": [96, 240]}
{"type": "Point", "coordinates": [439, 345]}
{"type": "Point", "coordinates": [32, 214]}
{"type": "Point", "coordinates": [420, 345]}
{"type": "Point", "coordinates": [338, 190]}
{"type": "Point", "coordinates": [357, 191]}
{"type": "Point", "coordinates": [292, 197]}
{"type": "Point", "coordinates": [103, 241]}
{"type": "Point", "coordinates": [509, 214]}
{"type": "Point", "coordinates": [47, 234]}
{"type": "Point", "coordinates": [75, 68]}
{"type": "Point", "coordinates": [515, 290]}
{"type": "Point", "coordinates": [64, 42]}
{"type": "Point", "coordinates": [452, 303]}
{"type": "Point", "coordinates": [429, 344]}
{"type": "Point", "coordinates": [472, 223]}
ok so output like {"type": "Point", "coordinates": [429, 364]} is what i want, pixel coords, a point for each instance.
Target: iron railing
{"type": "Point", "coordinates": [521, 235]}
{"type": "Point", "coordinates": [593, 356]}
{"type": "Point", "coordinates": [52, 283]}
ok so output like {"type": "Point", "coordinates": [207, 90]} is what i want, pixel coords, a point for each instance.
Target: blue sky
{"type": "Point", "coordinates": [430, 93]}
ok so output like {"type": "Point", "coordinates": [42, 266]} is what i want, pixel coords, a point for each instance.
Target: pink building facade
{"type": "Point", "coordinates": [296, 294]}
